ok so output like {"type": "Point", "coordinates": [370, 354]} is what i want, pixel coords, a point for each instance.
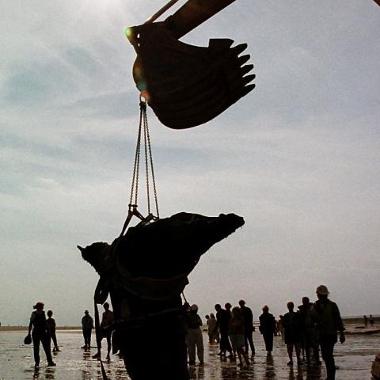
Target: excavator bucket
{"type": "Point", "coordinates": [188, 85]}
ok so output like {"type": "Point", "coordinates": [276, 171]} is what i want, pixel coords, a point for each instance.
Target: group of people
{"type": "Point", "coordinates": [231, 327]}
{"type": "Point", "coordinates": [43, 330]}
{"type": "Point", "coordinates": [313, 328]}
{"type": "Point", "coordinates": [370, 320]}
{"type": "Point", "coordinates": [105, 330]}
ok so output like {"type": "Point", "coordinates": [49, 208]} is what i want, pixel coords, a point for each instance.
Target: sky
{"type": "Point", "coordinates": [298, 157]}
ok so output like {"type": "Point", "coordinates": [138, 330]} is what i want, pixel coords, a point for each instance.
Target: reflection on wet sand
{"type": "Point", "coordinates": [269, 367]}
{"type": "Point", "coordinates": [354, 359]}
{"type": "Point", "coordinates": [44, 373]}
{"type": "Point", "coordinates": [263, 367]}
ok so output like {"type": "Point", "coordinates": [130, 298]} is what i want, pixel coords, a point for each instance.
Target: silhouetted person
{"type": "Point", "coordinates": [292, 330]}
{"type": "Point", "coordinates": [309, 333]}
{"type": "Point", "coordinates": [228, 307]}
{"type": "Point", "coordinates": [106, 328]}
{"type": "Point", "coordinates": [329, 323]}
{"type": "Point", "coordinates": [248, 326]}
{"type": "Point", "coordinates": [236, 331]}
{"type": "Point", "coordinates": [222, 318]}
{"type": "Point", "coordinates": [280, 326]}
{"type": "Point", "coordinates": [87, 326]}
{"type": "Point", "coordinates": [194, 337]}
{"type": "Point", "coordinates": [365, 318]}
{"type": "Point", "coordinates": [40, 334]}
{"type": "Point", "coordinates": [267, 328]}
{"type": "Point", "coordinates": [371, 320]}
{"type": "Point", "coordinates": [212, 329]}
{"type": "Point", "coordinates": [51, 329]}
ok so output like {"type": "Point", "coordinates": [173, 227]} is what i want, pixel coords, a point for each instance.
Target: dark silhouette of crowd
{"type": "Point", "coordinates": [43, 330]}
{"type": "Point", "coordinates": [308, 332]}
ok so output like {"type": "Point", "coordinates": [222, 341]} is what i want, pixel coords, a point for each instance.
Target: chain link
{"type": "Point", "coordinates": [149, 170]}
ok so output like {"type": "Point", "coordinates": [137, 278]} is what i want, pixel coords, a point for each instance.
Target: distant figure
{"type": "Point", "coordinates": [280, 326]}
{"type": "Point", "coordinates": [309, 333]}
{"type": "Point", "coordinates": [207, 323]}
{"type": "Point", "coordinates": [40, 334]}
{"type": "Point", "coordinates": [329, 322]}
{"type": "Point", "coordinates": [371, 320]}
{"type": "Point", "coordinates": [223, 318]}
{"type": "Point", "coordinates": [87, 326]}
{"type": "Point", "coordinates": [106, 328]}
{"type": "Point", "coordinates": [292, 332]}
{"type": "Point", "coordinates": [267, 328]}
{"type": "Point", "coordinates": [248, 326]}
{"type": "Point", "coordinates": [236, 331]}
{"type": "Point", "coordinates": [194, 337]}
{"type": "Point", "coordinates": [51, 328]}
{"type": "Point", "coordinates": [212, 329]}
{"type": "Point", "coordinates": [228, 308]}
{"type": "Point", "coordinates": [365, 318]}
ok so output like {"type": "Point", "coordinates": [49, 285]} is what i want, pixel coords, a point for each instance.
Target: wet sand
{"type": "Point", "coordinates": [354, 360]}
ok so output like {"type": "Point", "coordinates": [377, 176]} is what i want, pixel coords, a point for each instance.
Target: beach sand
{"type": "Point", "coordinates": [354, 360]}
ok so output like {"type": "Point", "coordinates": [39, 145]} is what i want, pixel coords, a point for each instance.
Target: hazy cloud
{"type": "Point", "coordinates": [298, 157]}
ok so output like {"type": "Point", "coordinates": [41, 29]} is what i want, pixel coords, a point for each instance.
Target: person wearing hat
{"type": "Point", "coordinates": [39, 329]}
{"type": "Point", "coordinates": [194, 337]}
{"type": "Point", "coordinates": [328, 324]}
{"type": "Point", "coordinates": [87, 326]}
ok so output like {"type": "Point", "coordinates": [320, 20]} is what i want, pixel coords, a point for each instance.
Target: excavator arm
{"type": "Point", "coordinates": [192, 14]}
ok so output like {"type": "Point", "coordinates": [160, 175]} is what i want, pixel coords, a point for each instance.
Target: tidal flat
{"type": "Point", "coordinates": [354, 359]}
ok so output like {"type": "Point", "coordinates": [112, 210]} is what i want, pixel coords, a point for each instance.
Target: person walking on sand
{"type": "Point", "coordinates": [87, 326]}
{"type": "Point", "coordinates": [51, 329]}
{"type": "Point", "coordinates": [106, 328]}
{"type": "Point", "coordinates": [228, 308]}
{"type": "Point", "coordinates": [267, 328]}
{"type": "Point", "coordinates": [309, 333]}
{"type": "Point", "coordinates": [194, 337]}
{"type": "Point", "coordinates": [212, 330]}
{"type": "Point", "coordinates": [222, 319]}
{"type": "Point", "coordinates": [39, 330]}
{"type": "Point", "coordinates": [236, 330]}
{"type": "Point", "coordinates": [280, 326]}
{"type": "Point", "coordinates": [248, 326]}
{"type": "Point", "coordinates": [328, 324]}
{"type": "Point", "coordinates": [292, 330]}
